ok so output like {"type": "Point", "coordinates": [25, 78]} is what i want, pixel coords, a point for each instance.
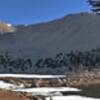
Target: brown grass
{"type": "Point", "coordinates": [9, 95]}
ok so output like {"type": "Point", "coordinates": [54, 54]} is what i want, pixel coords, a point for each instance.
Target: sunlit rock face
{"type": "Point", "coordinates": [6, 28]}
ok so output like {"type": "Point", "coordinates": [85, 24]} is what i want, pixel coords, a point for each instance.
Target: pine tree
{"type": "Point", "coordinates": [95, 4]}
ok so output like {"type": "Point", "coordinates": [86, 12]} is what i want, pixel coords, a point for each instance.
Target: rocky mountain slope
{"type": "Point", "coordinates": [72, 32]}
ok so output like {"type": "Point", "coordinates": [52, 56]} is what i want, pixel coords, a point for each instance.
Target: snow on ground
{"type": "Point", "coordinates": [9, 25]}
{"type": "Point", "coordinates": [31, 76]}
{"type": "Point", "coordinates": [4, 85]}
{"type": "Point", "coordinates": [47, 91]}
{"type": "Point", "coordinates": [71, 98]}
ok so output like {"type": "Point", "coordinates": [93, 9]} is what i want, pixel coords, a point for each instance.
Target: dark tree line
{"type": "Point", "coordinates": [86, 60]}
{"type": "Point", "coordinates": [20, 63]}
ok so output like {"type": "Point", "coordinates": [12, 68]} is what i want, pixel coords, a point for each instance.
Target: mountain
{"type": "Point", "coordinates": [72, 32]}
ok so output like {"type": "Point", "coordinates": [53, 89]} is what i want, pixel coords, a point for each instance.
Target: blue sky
{"type": "Point", "coordinates": [35, 11]}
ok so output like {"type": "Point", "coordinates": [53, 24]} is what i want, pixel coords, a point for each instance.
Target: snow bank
{"type": "Point", "coordinates": [71, 98]}
{"type": "Point", "coordinates": [47, 91]}
{"type": "Point", "coordinates": [31, 76]}
{"type": "Point", "coordinates": [4, 85]}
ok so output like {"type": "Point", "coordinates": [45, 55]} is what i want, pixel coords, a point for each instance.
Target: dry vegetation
{"type": "Point", "coordinates": [84, 78]}
{"type": "Point", "coordinates": [9, 95]}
